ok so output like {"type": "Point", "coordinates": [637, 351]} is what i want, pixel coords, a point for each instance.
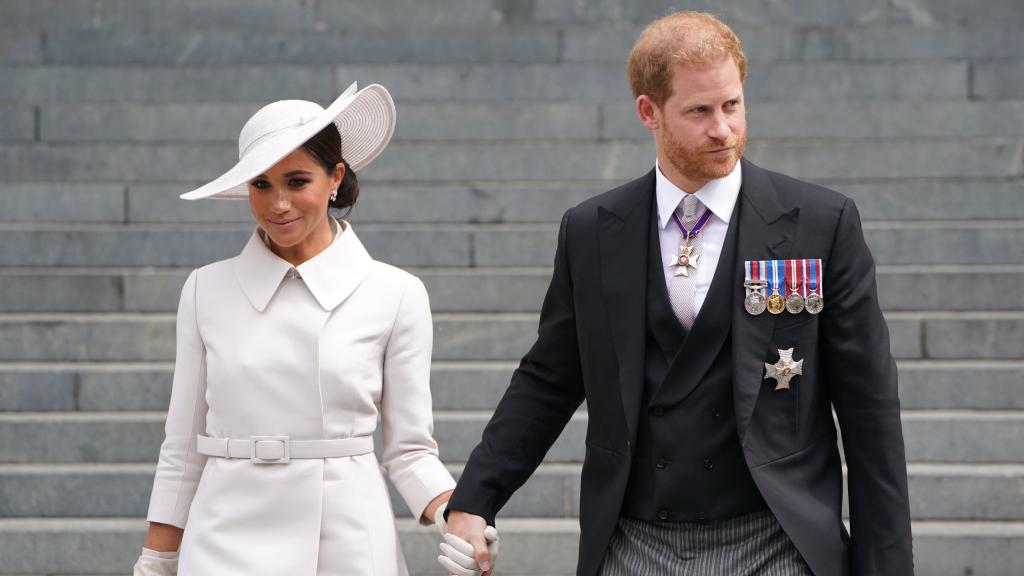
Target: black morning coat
{"type": "Point", "coordinates": [591, 343]}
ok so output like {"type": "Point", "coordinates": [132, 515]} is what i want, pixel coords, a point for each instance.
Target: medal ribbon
{"type": "Point", "coordinates": [815, 279]}
{"type": "Point", "coordinates": [791, 285]}
{"type": "Point", "coordinates": [804, 272]}
{"type": "Point", "coordinates": [697, 227]}
{"type": "Point", "coordinates": [775, 275]}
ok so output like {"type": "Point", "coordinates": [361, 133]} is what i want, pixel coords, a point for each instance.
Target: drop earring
{"type": "Point", "coordinates": [334, 196]}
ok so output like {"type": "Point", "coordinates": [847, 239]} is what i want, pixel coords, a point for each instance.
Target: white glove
{"type": "Point", "coordinates": [457, 556]}
{"type": "Point", "coordinates": [153, 563]}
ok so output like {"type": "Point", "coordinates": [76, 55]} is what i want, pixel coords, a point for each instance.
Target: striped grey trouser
{"type": "Point", "coordinates": [749, 545]}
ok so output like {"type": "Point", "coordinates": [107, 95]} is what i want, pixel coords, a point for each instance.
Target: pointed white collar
{"type": "Point", "coordinates": [719, 195]}
{"type": "Point", "coordinates": [330, 276]}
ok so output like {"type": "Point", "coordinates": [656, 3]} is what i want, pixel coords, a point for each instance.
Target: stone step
{"type": "Point", "coordinates": [89, 387]}
{"type": "Point", "coordinates": [901, 288]}
{"type": "Point", "coordinates": [937, 491]}
{"type": "Point", "coordinates": [113, 337]}
{"type": "Point", "coordinates": [70, 437]}
{"type": "Point", "coordinates": [867, 41]}
{"type": "Point", "coordinates": [119, 122]}
{"type": "Point", "coordinates": [571, 81]}
{"type": "Point", "coordinates": [476, 202]}
{"type": "Point", "coordinates": [453, 246]}
{"type": "Point", "coordinates": [808, 159]}
{"type": "Point", "coordinates": [525, 43]}
{"type": "Point", "coordinates": [529, 547]}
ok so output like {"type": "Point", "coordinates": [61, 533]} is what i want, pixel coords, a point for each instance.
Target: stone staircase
{"type": "Point", "coordinates": [509, 112]}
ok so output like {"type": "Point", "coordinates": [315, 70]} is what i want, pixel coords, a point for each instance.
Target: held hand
{"type": "Point", "coordinates": [153, 563]}
{"type": "Point", "coordinates": [470, 546]}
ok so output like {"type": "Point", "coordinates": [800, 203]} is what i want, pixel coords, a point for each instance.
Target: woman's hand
{"type": "Point", "coordinates": [153, 563]}
{"type": "Point", "coordinates": [431, 511]}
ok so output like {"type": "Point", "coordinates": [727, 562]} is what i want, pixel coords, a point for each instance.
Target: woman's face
{"type": "Point", "coordinates": [289, 202]}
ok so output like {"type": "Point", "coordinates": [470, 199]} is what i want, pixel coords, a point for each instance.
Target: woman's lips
{"type": "Point", "coordinates": [283, 223]}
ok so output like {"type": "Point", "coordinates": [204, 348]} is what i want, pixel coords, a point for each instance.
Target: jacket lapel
{"type": "Point", "coordinates": [766, 231]}
{"type": "Point", "coordinates": [623, 221]}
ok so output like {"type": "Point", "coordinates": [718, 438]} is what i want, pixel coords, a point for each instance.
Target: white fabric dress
{"type": "Point", "coordinates": [317, 355]}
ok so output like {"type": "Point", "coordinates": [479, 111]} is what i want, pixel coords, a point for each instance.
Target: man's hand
{"type": "Point", "coordinates": [470, 545]}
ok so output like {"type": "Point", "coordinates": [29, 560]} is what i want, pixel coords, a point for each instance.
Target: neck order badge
{"type": "Point", "coordinates": [686, 258]}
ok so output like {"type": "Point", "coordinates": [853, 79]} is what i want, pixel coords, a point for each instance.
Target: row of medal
{"type": "Point", "coordinates": [783, 285]}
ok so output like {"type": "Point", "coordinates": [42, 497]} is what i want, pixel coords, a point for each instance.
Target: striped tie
{"type": "Point", "coordinates": [682, 288]}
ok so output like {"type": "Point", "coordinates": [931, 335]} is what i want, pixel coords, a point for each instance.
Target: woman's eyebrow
{"type": "Point", "coordinates": [297, 172]}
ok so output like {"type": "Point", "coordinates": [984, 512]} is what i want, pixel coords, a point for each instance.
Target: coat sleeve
{"type": "Point", "coordinates": [862, 376]}
{"type": "Point", "coordinates": [180, 464]}
{"type": "Point", "coordinates": [545, 391]}
{"type": "Point", "coordinates": [410, 453]}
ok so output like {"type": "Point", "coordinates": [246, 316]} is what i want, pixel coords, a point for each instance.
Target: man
{"type": "Point", "coordinates": [711, 445]}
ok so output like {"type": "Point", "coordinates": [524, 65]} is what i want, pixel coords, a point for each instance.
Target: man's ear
{"type": "Point", "coordinates": [649, 113]}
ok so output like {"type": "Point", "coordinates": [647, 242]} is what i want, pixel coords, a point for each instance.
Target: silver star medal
{"type": "Point", "coordinates": [685, 260]}
{"type": "Point", "coordinates": [784, 370]}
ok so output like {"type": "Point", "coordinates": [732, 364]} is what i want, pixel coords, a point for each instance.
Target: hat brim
{"type": "Point", "coordinates": [364, 118]}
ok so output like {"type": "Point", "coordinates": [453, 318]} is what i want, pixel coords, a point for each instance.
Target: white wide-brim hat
{"type": "Point", "coordinates": [365, 119]}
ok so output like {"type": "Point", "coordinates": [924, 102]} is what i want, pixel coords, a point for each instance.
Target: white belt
{"type": "Point", "coordinates": [281, 449]}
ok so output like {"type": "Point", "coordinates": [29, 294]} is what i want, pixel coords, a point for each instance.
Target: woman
{"type": "Point", "coordinates": [287, 355]}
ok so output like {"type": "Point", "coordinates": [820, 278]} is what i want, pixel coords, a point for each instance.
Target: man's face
{"type": "Point", "coordinates": [701, 129]}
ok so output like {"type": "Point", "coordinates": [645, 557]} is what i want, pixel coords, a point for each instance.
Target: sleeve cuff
{"type": "Point", "coordinates": [422, 483]}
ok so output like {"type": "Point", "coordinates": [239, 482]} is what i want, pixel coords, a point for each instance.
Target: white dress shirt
{"type": "Point", "coordinates": [720, 197]}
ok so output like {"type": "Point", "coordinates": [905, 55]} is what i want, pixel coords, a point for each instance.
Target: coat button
{"type": "Point", "coordinates": [661, 463]}
{"type": "Point", "coordinates": [702, 516]}
{"type": "Point", "coordinates": [657, 410]}
{"type": "Point", "coordinates": [715, 414]}
{"type": "Point", "coordinates": [709, 464]}
{"type": "Point", "coordinates": [662, 514]}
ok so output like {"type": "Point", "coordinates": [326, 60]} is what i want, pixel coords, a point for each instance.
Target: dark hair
{"type": "Point", "coordinates": [325, 148]}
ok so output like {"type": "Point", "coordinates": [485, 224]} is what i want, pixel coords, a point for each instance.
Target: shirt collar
{"type": "Point", "coordinates": [330, 276]}
{"type": "Point", "coordinates": [718, 195]}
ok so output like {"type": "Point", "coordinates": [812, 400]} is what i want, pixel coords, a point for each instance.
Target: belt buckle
{"type": "Point", "coordinates": [268, 441]}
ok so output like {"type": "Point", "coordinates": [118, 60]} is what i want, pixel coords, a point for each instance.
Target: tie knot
{"type": "Point", "coordinates": [690, 204]}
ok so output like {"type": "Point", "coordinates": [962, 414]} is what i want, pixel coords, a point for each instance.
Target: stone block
{"type": "Point", "coordinates": [942, 40]}
{"type": "Point", "coordinates": [418, 247]}
{"type": "Point", "coordinates": [405, 14]}
{"type": "Point", "coordinates": [936, 199]}
{"type": "Point", "coordinates": [792, 13]}
{"type": "Point", "coordinates": [80, 202]}
{"type": "Point", "coordinates": [474, 121]}
{"type": "Point", "coordinates": [998, 80]}
{"type": "Point", "coordinates": [534, 247]}
{"type": "Point", "coordinates": [966, 493]}
{"type": "Point", "coordinates": [166, 84]}
{"type": "Point", "coordinates": [974, 290]}
{"type": "Point", "coordinates": [86, 339]}
{"type": "Point", "coordinates": [942, 548]}
{"type": "Point", "coordinates": [461, 386]}
{"type": "Point", "coordinates": [218, 47]}
{"type": "Point", "coordinates": [959, 385]}
{"type": "Point", "coordinates": [17, 121]}
{"type": "Point", "coordinates": [994, 335]}
{"type": "Point", "coordinates": [547, 160]}
{"type": "Point", "coordinates": [579, 83]}
{"type": "Point", "coordinates": [21, 47]}
{"type": "Point", "coordinates": [94, 547]}
{"type": "Point", "coordinates": [157, 291]}
{"type": "Point", "coordinates": [21, 292]}
{"type": "Point", "coordinates": [483, 337]}
{"type": "Point", "coordinates": [457, 434]}
{"type": "Point", "coordinates": [36, 391]}
{"type": "Point", "coordinates": [87, 162]}
{"type": "Point", "coordinates": [904, 336]}
{"type": "Point", "coordinates": [471, 291]}
{"type": "Point", "coordinates": [125, 389]}
{"type": "Point", "coordinates": [160, 203]}
{"type": "Point", "coordinates": [47, 491]}
{"type": "Point", "coordinates": [143, 122]}
{"type": "Point", "coordinates": [32, 438]}
{"type": "Point", "coordinates": [930, 12]}
{"type": "Point", "coordinates": [889, 159]}
{"type": "Point", "coordinates": [819, 81]}
{"type": "Point", "coordinates": [962, 437]}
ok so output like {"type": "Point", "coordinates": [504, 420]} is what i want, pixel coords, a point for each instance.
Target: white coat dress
{"type": "Point", "coordinates": [321, 354]}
